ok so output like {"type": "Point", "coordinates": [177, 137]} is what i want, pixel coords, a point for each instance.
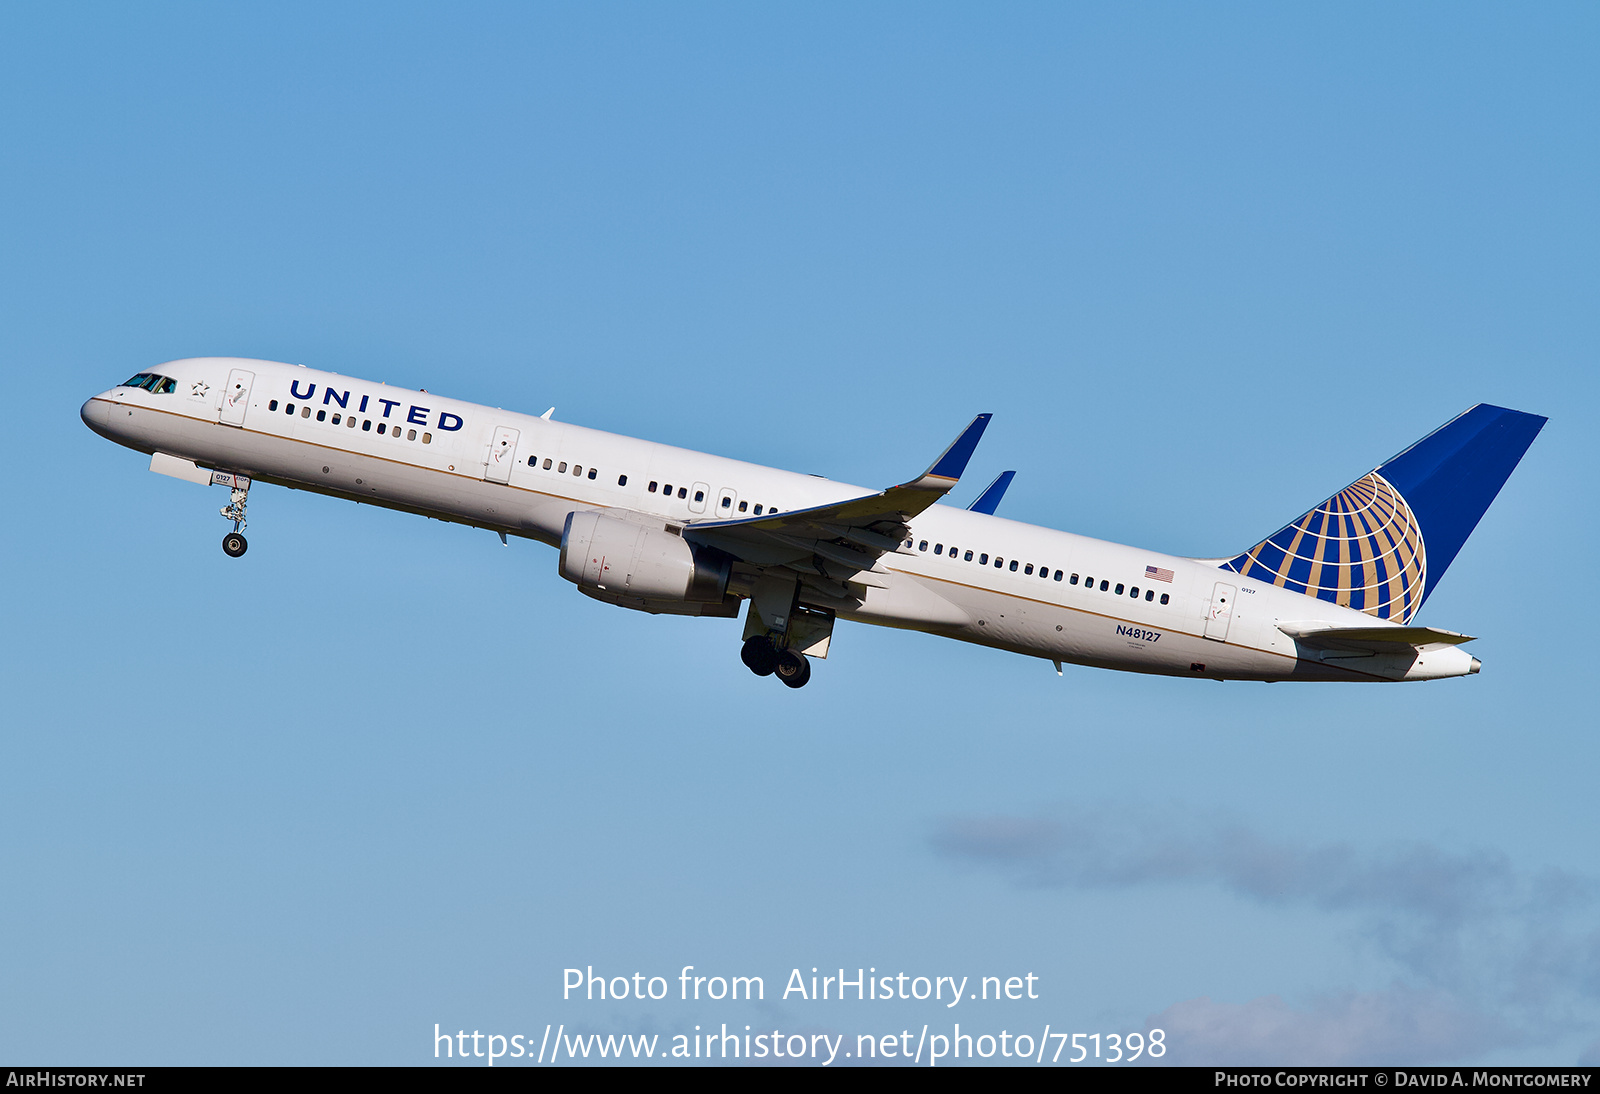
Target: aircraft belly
{"type": "Point", "coordinates": [357, 476]}
{"type": "Point", "coordinates": [1069, 634]}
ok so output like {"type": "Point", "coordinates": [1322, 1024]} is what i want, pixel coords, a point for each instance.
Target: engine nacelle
{"type": "Point", "coordinates": [625, 560]}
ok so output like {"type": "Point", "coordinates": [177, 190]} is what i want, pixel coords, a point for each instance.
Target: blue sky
{"type": "Point", "coordinates": [1205, 265]}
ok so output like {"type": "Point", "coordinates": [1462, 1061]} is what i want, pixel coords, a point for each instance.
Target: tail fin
{"type": "Point", "coordinates": [1382, 543]}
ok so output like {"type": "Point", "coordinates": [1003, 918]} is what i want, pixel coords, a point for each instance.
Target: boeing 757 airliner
{"type": "Point", "coordinates": [1330, 596]}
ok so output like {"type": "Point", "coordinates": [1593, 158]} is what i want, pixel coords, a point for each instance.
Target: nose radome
{"type": "Point", "coordinates": [94, 413]}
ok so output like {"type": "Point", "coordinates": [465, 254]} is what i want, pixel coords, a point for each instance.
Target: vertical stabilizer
{"type": "Point", "coordinates": [1382, 543]}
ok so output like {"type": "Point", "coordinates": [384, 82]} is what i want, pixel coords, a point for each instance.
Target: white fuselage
{"type": "Point", "coordinates": [523, 475]}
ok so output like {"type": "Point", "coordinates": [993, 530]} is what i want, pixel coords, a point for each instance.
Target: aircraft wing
{"type": "Point", "coordinates": [1376, 639]}
{"type": "Point", "coordinates": [830, 545]}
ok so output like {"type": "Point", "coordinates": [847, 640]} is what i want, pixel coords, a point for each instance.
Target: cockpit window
{"type": "Point", "coordinates": [156, 385]}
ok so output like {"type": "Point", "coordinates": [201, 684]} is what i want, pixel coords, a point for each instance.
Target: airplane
{"type": "Point", "coordinates": [1331, 596]}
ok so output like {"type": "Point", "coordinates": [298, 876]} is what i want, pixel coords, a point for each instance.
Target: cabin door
{"type": "Point", "coordinates": [236, 397]}
{"type": "Point", "coordinates": [502, 454]}
{"type": "Point", "coordinates": [1220, 613]}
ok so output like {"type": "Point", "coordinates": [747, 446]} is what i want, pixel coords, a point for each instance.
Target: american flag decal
{"type": "Point", "coordinates": [1156, 573]}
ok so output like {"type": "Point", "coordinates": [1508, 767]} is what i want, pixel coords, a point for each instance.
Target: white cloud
{"type": "Point", "coordinates": [1489, 955]}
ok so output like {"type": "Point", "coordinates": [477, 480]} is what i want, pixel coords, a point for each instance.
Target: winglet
{"type": "Point", "coordinates": [989, 500]}
{"type": "Point", "coordinates": [946, 470]}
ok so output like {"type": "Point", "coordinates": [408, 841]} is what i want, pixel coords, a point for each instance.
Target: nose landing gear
{"type": "Point", "coordinates": [234, 544]}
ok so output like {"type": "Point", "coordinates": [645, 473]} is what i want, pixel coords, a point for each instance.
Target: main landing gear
{"type": "Point", "coordinates": [763, 658]}
{"type": "Point", "coordinates": [234, 544]}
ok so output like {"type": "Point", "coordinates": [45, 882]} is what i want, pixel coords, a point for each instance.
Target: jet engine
{"type": "Point", "coordinates": [643, 567]}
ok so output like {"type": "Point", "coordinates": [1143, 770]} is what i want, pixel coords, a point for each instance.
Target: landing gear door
{"type": "Point", "coordinates": [236, 397]}
{"type": "Point", "coordinates": [1220, 614]}
{"type": "Point", "coordinates": [502, 454]}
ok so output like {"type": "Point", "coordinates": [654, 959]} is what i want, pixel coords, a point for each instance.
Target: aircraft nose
{"type": "Point", "coordinates": [96, 414]}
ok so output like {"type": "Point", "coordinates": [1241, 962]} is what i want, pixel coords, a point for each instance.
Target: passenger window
{"type": "Point", "coordinates": [411, 434]}
{"type": "Point", "coordinates": [1044, 571]}
{"type": "Point", "coordinates": [561, 468]}
{"type": "Point", "coordinates": [322, 415]}
{"type": "Point", "coordinates": [967, 557]}
{"type": "Point", "coordinates": [547, 465]}
{"type": "Point", "coordinates": [1058, 575]}
{"type": "Point", "coordinates": [622, 480]}
{"type": "Point", "coordinates": [381, 428]}
{"type": "Point", "coordinates": [1073, 580]}
{"type": "Point", "coordinates": [743, 506]}
{"type": "Point", "coordinates": [533, 461]}
{"type": "Point", "coordinates": [683, 492]}
{"type": "Point", "coordinates": [593, 472]}
{"type": "Point", "coordinates": [273, 405]}
{"type": "Point", "coordinates": [1149, 594]}
{"type": "Point", "coordinates": [1013, 565]}
{"type": "Point", "coordinates": [305, 412]}
{"type": "Point", "coordinates": [652, 487]}
{"type": "Point", "coordinates": [350, 423]}
{"type": "Point", "coordinates": [1028, 569]}
{"type": "Point", "coordinates": [983, 559]}
{"type": "Point", "coordinates": [1104, 585]}
{"type": "Point", "coordinates": [427, 438]}
{"type": "Point", "coordinates": [1119, 588]}
{"type": "Point", "coordinates": [366, 426]}
{"type": "Point", "coordinates": [998, 562]}
{"type": "Point", "coordinates": [667, 490]}
{"type": "Point", "coordinates": [288, 408]}
{"type": "Point", "coordinates": [1134, 592]}
{"type": "Point", "coordinates": [1163, 598]}
{"type": "Point", "coordinates": [577, 471]}
{"type": "Point", "coordinates": [758, 508]}
{"type": "Point", "coordinates": [923, 546]}
{"type": "Point", "coordinates": [336, 418]}
{"type": "Point", "coordinates": [938, 548]}
{"type": "Point", "coordinates": [699, 495]}
{"type": "Point", "coordinates": [727, 503]}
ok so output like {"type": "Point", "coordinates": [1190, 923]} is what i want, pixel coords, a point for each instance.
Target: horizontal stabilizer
{"type": "Point", "coordinates": [989, 500]}
{"type": "Point", "coordinates": [1377, 638]}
